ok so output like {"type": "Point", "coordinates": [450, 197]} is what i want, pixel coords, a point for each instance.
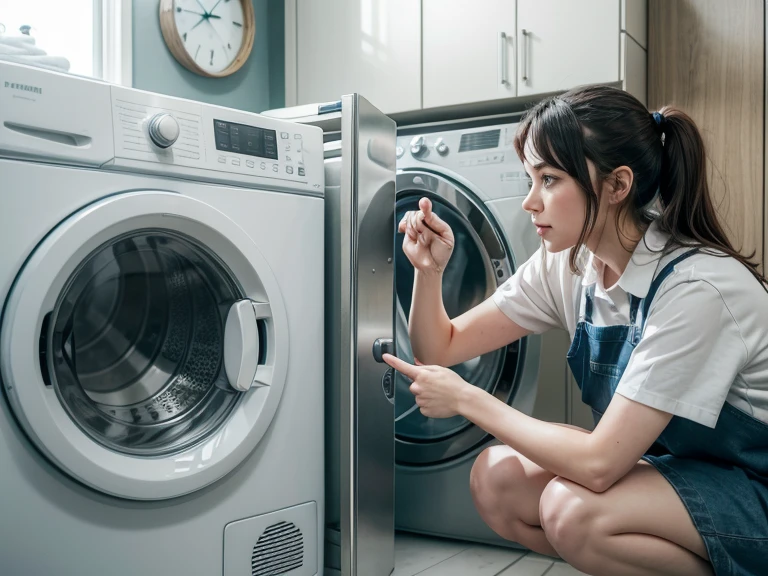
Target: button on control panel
{"type": "Point", "coordinates": [288, 160]}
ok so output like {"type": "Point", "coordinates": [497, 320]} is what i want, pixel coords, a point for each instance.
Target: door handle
{"type": "Point", "coordinates": [503, 59]}
{"type": "Point", "coordinates": [524, 58]}
{"type": "Point", "coordinates": [383, 346]}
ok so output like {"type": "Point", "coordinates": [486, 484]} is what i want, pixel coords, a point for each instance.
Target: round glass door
{"type": "Point", "coordinates": [145, 345]}
{"type": "Point", "coordinates": [136, 343]}
{"type": "Point", "coordinates": [479, 263]}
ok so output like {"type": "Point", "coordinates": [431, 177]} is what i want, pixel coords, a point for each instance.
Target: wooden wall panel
{"type": "Point", "coordinates": [707, 57]}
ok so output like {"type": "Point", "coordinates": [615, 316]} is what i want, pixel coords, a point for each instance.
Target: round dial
{"type": "Point", "coordinates": [163, 130]}
{"type": "Point", "coordinates": [418, 146]}
{"type": "Point", "coordinates": [209, 37]}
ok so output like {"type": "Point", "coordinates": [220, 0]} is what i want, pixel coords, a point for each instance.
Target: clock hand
{"type": "Point", "coordinates": [202, 7]}
{"type": "Point", "coordinates": [193, 12]}
{"type": "Point", "coordinates": [203, 19]}
{"type": "Point", "coordinates": [214, 7]}
{"type": "Point", "coordinates": [224, 45]}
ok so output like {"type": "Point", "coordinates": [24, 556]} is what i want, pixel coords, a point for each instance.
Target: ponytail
{"type": "Point", "coordinates": [688, 214]}
{"type": "Point", "coordinates": [664, 150]}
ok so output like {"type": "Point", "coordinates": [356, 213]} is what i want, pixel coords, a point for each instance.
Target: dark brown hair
{"type": "Point", "coordinates": [611, 128]}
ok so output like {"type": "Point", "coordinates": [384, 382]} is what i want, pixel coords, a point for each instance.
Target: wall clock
{"type": "Point", "coordinates": [209, 37]}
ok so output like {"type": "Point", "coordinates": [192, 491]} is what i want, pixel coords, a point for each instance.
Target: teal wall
{"type": "Point", "coordinates": [259, 85]}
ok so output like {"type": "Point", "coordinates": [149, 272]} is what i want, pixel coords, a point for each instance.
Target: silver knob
{"type": "Point", "coordinates": [441, 147]}
{"type": "Point", "coordinates": [399, 152]}
{"type": "Point", "coordinates": [163, 130]}
{"type": "Point", "coordinates": [418, 146]}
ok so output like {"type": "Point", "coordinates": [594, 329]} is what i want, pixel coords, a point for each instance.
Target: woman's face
{"type": "Point", "coordinates": [556, 203]}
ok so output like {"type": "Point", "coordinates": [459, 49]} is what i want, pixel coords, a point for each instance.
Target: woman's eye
{"type": "Point", "coordinates": [547, 180]}
{"type": "Point", "coordinates": [530, 183]}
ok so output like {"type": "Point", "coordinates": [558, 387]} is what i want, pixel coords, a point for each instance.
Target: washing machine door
{"type": "Point", "coordinates": [480, 262]}
{"type": "Point", "coordinates": [145, 345]}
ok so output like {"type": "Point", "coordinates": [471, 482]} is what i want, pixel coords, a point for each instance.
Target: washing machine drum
{"type": "Point", "coordinates": [479, 263]}
{"type": "Point", "coordinates": [136, 343]}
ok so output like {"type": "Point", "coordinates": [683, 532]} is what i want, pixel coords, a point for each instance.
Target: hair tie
{"type": "Point", "coordinates": [661, 122]}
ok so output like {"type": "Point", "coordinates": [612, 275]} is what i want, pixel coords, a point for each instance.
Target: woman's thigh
{"type": "Point", "coordinates": [641, 502]}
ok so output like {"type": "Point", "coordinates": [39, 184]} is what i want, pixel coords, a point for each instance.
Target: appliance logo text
{"type": "Point", "coordinates": [24, 87]}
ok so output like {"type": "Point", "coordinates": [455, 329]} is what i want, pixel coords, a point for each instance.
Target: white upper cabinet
{"type": "Point", "coordinates": [372, 47]}
{"type": "Point", "coordinates": [566, 43]}
{"type": "Point", "coordinates": [468, 51]}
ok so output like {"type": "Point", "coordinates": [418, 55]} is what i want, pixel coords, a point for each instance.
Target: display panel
{"type": "Point", "coordinates": [243, 139]}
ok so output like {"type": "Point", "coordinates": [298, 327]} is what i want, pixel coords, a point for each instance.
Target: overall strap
{"type": "Point", "coordinates": [666, 271]}
{"type": "Point", "coordinates": [587, 302]}
{"type": "Point", "coordinates": [634, 305]}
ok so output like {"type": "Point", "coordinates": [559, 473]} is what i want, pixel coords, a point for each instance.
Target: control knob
{"type": "Point", "coordinates": [441, 147]}
{"type": "Point", "coordinates": [163, 130]}
{"type": "Point", "coordinates": [418, 146]}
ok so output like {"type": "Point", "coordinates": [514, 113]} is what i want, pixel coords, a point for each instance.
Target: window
{"type": "Point", "coordinates": [93, 35]}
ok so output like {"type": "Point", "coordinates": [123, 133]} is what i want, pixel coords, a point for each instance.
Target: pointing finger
{"type": "Point", "coordinates": [401, 366]}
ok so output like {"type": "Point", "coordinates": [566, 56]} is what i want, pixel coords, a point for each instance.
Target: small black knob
{"type": "Point", "coordinates": [383, 346]}
{"type": "Point", "coordinates": [388, 384]}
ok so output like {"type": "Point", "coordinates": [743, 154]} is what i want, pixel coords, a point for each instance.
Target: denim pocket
{"type": "Point", "coordinates": [610, 370]}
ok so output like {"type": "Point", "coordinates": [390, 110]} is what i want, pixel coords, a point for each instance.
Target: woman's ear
{"type": "Point", "coordinates": [618, 184]}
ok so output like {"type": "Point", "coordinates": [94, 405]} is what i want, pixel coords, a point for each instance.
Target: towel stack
{"type": "Point", "coordinates": [22, 49]}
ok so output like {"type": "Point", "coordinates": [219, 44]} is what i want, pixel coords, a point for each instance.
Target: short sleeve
{"type": "Point", "coordinates": [533, 297]}
{"type": "Point", "coordinates": [689, 356]}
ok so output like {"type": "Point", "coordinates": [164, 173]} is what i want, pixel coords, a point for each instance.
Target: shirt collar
{"type": "Point", "coordinates": [641, 268]}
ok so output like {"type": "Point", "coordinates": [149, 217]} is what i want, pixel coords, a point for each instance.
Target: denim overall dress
{"type": "Point", "coordinates": [720, 474]}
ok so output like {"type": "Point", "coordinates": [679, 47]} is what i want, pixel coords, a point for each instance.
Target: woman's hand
{"type": "Point", "coordinates": [428, 241]}
{"type": "Point", "coordinates": [439, 391]}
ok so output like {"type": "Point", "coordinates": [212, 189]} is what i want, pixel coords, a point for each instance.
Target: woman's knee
{"type": "Point", "coordinates": [496, 471]}
{"type": "Point", "coordinates": [566, 517]}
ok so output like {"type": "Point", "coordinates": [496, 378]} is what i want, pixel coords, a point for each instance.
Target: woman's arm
{"type": "Point", "coordinates": [436, 339]}
{"type": "Point", "coordinates": [595, 460]}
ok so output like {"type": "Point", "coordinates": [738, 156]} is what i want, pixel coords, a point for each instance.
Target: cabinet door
{"type": "Point", "coordinates": [562, 44]}
{"type": "Point", "coordinates": [468, 51]}
{"type": "Point", "coordinates": [371, 47]}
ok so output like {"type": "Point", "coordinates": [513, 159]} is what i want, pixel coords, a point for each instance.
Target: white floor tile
{"type": "Point", "coordinates": [414, 554]}
{"type": "Point", "coordinates": [475, 560]}
{"type": "Point", "coordinates": [531, 565]}
{"type": "Point", "coordinates": [428, 556]}
{"type": "Point", "coordinates": [563, 569]}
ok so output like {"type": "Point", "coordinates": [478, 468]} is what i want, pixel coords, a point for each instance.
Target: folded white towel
{"type": "Point", "coordinates": [22, 49]}
{"type": "Point", "coordinates": [22, 40]}
{"type": "Point", "coordinates": [50, 62]}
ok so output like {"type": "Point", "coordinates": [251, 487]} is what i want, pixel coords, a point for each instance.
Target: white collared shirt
{"type": "Point", "coordinates": [706, 336]}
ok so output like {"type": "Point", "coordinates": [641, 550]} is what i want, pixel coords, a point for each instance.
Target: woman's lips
{"type": "Point", "coordinates": [541, 229]}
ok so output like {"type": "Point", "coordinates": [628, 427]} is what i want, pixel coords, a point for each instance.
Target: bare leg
{"type": "Point", "coordinates": [506, 488]}
{"type": "Point", "coordinates": [637, 527]}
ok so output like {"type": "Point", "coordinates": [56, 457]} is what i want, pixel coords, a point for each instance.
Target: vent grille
{"type": "Point", "coordinates": [279, 550]}
{"type": "Point", "coordinates": [479, 140]}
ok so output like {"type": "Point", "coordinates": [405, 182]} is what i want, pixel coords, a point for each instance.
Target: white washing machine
{"type": "Point", "coordinates": [161, 335]}
{"type": "Point", "coordinates": [477, 185]}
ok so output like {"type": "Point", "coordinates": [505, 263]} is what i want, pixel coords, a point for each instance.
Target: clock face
{"type": "Point", "coordinates": [212, 31]}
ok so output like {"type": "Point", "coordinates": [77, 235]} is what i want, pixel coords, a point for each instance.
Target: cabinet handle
{"type": "Point", "coordinates": [503, 59]}
{"type": "Point", "coordinates": [525, 33]}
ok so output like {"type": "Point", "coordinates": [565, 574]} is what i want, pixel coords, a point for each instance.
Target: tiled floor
{"type": "Point", "coordinates": [437, 557]}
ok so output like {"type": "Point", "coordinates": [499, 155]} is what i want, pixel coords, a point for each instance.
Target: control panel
{"type": "Point", "coordinates": [85, 122]}
{"type": "Point", "coordinates": [176, 135]}
{"type": "Point", "coordinates": [484, 156]}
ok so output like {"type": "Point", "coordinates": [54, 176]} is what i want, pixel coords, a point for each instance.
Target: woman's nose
{"type": "Point", "coordinates": [531, 203]}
